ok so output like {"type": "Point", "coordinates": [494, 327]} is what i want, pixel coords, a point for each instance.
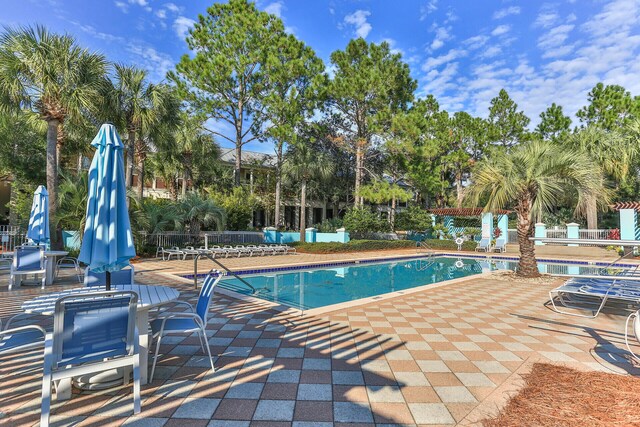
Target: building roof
{"type": "Point", "coordinates": [249, 158]}
{"type": "Point", "coordinates": [626, 205]}
{"type": "Point", "coordinates": [464, 211]}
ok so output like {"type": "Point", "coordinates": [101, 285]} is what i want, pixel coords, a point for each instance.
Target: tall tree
{"type": "Point", "coordinates": [609, 107]}
{"type": "Point", "coordinates": [370, 84]}
{"type": "Point", "coordinates": [554, 125]}
{"type": "Point", "coordinates": [530, 180]}
{"type": "Point", "coordinates": [54, 77]}
{"type": "Point", "coordinates": [296, 79]}
{"type": "Point", "coordinates": [302, 165]}
{"type": "Point", "coordinates": [225, 77]}
{"type": "Point", "coordinates": [611, 153]}
{"type": "Point", "coordinates": [507, 125]}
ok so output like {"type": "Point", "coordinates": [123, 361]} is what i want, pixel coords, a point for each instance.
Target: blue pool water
{"type": "Point", "coordinates": [319, 287]}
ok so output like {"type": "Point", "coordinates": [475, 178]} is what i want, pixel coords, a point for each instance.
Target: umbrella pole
{"type": "Point", "coordinates": [108, 280]}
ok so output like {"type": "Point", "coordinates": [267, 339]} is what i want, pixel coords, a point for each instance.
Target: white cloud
{"type": "Point", "coordinates": [476, 42]}
{"type": "Point", "coordinates": [442, 35]}
{"type": "Point", "coordinates": [173, 7]}
{"type": "Point", "coordinates": [491, 52]}
{"type": "Point", "coordinates": [547, 16]}
{"type": "Point", "coordinates": [155, 62]}
{"type": "Point", "coordinates": [161, 13]}
{"type": "Point", "coordinates": [139, 2]}
{"type": "Point", "coordinates": [182, 25]}
{"type": "Point", "coordinates": [393, 46]}
{"type": "Point", "coordinates": [428, 8]}
{"type": "Point", "coordinates": [503, 13]}
{"type": "Point", "coordinates": [500, 29]}
{"type": "Point", "coordinates": [122, 6]}
{"type": "Point", "coordinates": [437, 61]}
{"type": "Point", "coordinates": [359, 20]}
{"type": "Point", "coordinates": [275, 8]}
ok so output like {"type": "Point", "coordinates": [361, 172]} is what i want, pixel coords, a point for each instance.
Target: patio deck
{"type": "Point", "coordinates": [443, 356]}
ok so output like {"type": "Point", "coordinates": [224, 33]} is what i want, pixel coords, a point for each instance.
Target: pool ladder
{"type": "Point", "coordinates": [226, 271]}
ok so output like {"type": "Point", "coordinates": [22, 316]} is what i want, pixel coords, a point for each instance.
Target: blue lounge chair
{"type": "Point", "coordinates": [28, 260]}
{"type": "Point", "coordinates": [21, 338]}
{"type": "Point", "coordinates": [122, 277]}
{"type": "Point", "coordinates": [186, 322]}
{"type": "Point", "coordinates": [92, 332]}
{"type": "Point", "coordinates": [484, 245]}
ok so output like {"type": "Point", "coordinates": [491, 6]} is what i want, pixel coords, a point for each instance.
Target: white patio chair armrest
{"type": "Point", "coordinates": [24, 328]}
{"type": "Point", "coordinates": [193, 316]}
{"type": "Point", "coordinates": [168, 308]}
{"type": "Point", "coordinates": [17, 316]}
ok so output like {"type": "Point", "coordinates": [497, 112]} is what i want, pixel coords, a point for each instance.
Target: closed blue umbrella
{"type": "Point", "coordinates": [38, 231]}
{"type": "Point", "coordinates": [107, 244]}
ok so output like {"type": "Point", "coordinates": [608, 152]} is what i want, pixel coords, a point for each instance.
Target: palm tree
{"type": "Point", "coordinates": [302, 165]}
{"type": "Point", "coordinates": [55, 78]}
{"type": "Point", "coordinates": [197, 212]}
{"type": "Point", "coordinates": [613, 152]}
{"type": "Point", "coordinates": [530, 180]}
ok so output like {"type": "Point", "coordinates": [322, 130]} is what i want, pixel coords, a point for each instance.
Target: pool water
{"type": "Point", "coordinates": [319, 287]}
{"type": "Point", "coordinates": [305, 289]}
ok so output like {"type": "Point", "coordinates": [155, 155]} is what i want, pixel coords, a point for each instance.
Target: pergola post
{"type": "Point", "coordinates": [503, 225]}
{"type": "Point", "coordinates": [628, 221]}
{"type": "Point", "coordinates": [487, 225]}
{"type": "Point", "coordinates": [448, 222]}
{"type": "Point", "coordinates": [573, 232]}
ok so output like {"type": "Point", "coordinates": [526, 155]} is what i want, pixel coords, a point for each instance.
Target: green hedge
{"type": "Point", "coordinates": [450, 244]}
{"type": "Point", "coordinates": [352, 246]}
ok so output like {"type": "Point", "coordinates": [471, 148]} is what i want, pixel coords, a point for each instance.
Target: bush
{"type": "Point", "coordinates": [363, 220]}
{"type": "Point", "coordinates": [329, 225]}
{"type": "Point", "coordinates": [414, 218]}
{"type": "Point", "coordinates": [353, 246]}
{"type": "Point", "coordinates": [238, 207]}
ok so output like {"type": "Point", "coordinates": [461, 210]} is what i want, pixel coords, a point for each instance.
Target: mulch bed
{"type": "Point", "coordinates": [560, 396]}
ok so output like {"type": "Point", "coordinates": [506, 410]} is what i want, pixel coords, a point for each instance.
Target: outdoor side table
{"type": "Point", "coordinates": [149, 296]}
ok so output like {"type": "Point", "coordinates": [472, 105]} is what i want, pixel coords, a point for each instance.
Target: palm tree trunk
{"type": "Point", "coordinates": [303, 209]}
{"type": "Point", "coordinates": [527, 266]}
{"type": "Point", "coordinates": [278, 185]}
{"type": "Point", "coordinates": [52, 178]}
{"type": "Point", "coordinates": [184, 184]}
{"type": "Point", "coordinates": [592, 214]}
{"type": "Point", "coordinates": [392, 214]}
{"type": "Point", "coordinates": [130, 158]}
{"type": "Point", "coordinates": [141, 178]}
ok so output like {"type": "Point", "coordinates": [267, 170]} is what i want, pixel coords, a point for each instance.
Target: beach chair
{"type": "Point", "coordinates": [174, 251]}
{"type": "Point", "coordinates": [28, 260]}
{"type": "Point", "coordinates": [484, 245]}
{"type": "Point", "coordinates": [266, 249]}
{"type": "Point", "coordinates": [92, 332]}
{"type": "Point", "coordinates": [122, 277]}
{"type": "Point", "coordinates": [288, 249]}
{"type": "Point", "coordinates": [186, 322]}
{"type": "Point", "coordinates": [230, 250]}
{"type": "Point", "coordinates": [217, 250]}
{"type": "Point", "coordinates": [278, 249]}
{"type": "Point", "coordinates": [582, 293]}
{"type": "Point", "coordinates": [67, 263]}
{"type": "Point", "coordinates": [242, 250]}
{"type": "Point", "coordinates": [255, 250]}
{"type": "Point", "coordinates": [500, 246]}
{"type": "Point", "coordinates": [189, 250]}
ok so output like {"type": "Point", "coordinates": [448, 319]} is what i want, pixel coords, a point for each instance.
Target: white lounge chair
{"type": "Point", "coordinates": [635, 317]}
{"type": "Point", "coordinates": [255, 250]}
{"type": "Point", "coordinates": [230, 250]}
{"type": "Point", "coordinates": [266, 249]}
{"type": "Point", "coordinates": [501, 246]}
{"type": "Point", "coordinates": [581, 293]}
{"type": "Point", "coordinates": [484, 245]}
{"type": "Point", "coordinates": [190, 250]}
{"type": "Point", "coordinates": [174, 251]}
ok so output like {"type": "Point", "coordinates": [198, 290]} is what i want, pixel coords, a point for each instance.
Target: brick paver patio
{"type": "Point", "coordinates": [441, 356]}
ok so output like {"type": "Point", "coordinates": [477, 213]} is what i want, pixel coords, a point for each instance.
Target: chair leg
{"type": "Point", "coordinates": [213, 369]}
{"type": "Point", "coordinates": [155, 359]}
{"type": "Point", "coordinates": [201, 343]}
{"type": "Point", "coordinates": [46, 398]}
{"type": "Point", "coordinates": [136, 384]}
{"type": "Point", "coordinates": [44, 279]}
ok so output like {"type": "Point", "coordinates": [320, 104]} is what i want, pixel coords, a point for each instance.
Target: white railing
{"type": "Point", "coordinates": [599, 234]}
{"type": "Point", "coordinates": [10, 237]}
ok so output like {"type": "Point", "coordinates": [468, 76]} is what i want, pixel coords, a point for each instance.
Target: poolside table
{"type": "Point", "coordinates": [149, 296]}
{"type": "Point", "coordinates": [51, 257]}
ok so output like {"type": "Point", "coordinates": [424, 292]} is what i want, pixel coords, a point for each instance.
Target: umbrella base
{"type": "Point", "coordinates": [101, 381]}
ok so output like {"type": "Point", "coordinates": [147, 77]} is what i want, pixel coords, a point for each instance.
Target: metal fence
{"type": "Point", "coordinates": [600, 234]}
{"type": "Point", "coordinates": [232, 237]}
{"type": "Point", "coordinates": [10, 237]}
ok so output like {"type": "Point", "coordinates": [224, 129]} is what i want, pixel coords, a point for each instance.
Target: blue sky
{"type": "Point", "coordinates": [463, 52]}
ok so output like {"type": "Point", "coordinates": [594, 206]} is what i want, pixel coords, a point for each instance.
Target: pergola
{"type": "Point", "coordinates": [486, 218]}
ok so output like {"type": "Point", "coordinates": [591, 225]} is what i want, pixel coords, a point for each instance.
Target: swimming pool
{"type": "Point", "coordinates": [307, 287]}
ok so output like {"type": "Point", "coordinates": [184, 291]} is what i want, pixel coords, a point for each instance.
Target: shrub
{"type": "Point", "coordinates": [614, 234]}
{"type": "Point", "coordinates": [414, 218]}
{"type": "Point", "coordinates": [353, 246]}
{"type": "Point", "coordinates": [329, 225]}
{"type": "Point", "coordinates": [363, 220]}
{"type": "Point", "coordinates": [238, 207]}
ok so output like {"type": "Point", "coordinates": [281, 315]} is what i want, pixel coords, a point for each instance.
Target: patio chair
{"type": "Point", "coordinates": [94, 332]}
{"type": "Point", "coordinates": [278, 249]}
{"type": "Point", "coordinates": [255, 250]}
{"type": "Point", "coordinates": [635, 317]}
{"type": "Point", "coordinates": [122, 277]}
{"type": "Point", "coordinates": [190, 250]}
{"type": "Point", "coordinates": [242, 250]}
{"type": "Point", "coordinates": [69, 262]}
{"type": "Point", "coordinates": [501, 246]}
{"type": "Point", "coordinates": [581, 293]}
{"type": "Point", "coordinates": [217, 250]}
{"type": "Point", "coordinates": [187, 322]}
{"type": "Point", "coordinates": [228, 249]}
{"type": "Point", "coordinates": [21, 338]}
{"type": "Point", "coordinates": [28, 260]}
{"type": "Point", "coordinates": [175, 251]}
{"type": "Point", "coordinates": [484, 245]}
{"type": "Point", "coordinates": [267, 250]}
{"type": "Point", "coordinates": [288, 249]}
